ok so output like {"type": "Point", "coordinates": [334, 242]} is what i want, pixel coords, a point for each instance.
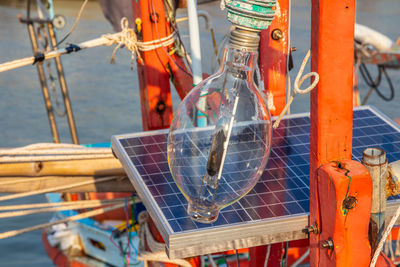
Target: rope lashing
{"type": "Point", "coordinates": [72, 48]}
{"type": "Point", "coordinates": [296, 90]}
{"type": "Point", "coordinates": [128, 38]}
{"type": "Point", "coordinates": [39, 57]}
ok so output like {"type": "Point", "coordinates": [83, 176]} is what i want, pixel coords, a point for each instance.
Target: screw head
{"type": "Point", "coordinates": [328, 243]}
{"type": "Point", "coordinates": [277, 34]}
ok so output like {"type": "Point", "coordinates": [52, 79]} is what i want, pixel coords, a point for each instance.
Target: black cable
{"type": "Point", "coordinates": [375, 84]}
{"type": "Point", "coordinates": [368, 78]}
{"type": "Point", "coordinates": [391, 87]}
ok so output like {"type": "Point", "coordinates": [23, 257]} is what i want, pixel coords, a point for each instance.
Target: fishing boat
{"type": "Point", "coordinates": [127, 235]}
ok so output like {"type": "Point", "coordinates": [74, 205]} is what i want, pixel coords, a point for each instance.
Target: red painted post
{"type": "Point", "coordinates": [273, 55]}
{"type": "Point", "coordinates": [155, 94]}
{"type": "Point", "coordinates": [272, 63]}
{"type": "Point", "coordinates": [345, 191]}
{"type": "Point", "coordinates": [332, 56]}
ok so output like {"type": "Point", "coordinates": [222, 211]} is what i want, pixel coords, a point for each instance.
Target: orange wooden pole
{"type": "Point", "coordinates": [155, 94]}
{"type": "Point", "coordinates": [273, 55]}
{"type": "Point", "coordinates": [332, 37]}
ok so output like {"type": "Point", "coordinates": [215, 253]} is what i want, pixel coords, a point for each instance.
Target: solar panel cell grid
{"type": "Point", "coordinates": [283, 189]}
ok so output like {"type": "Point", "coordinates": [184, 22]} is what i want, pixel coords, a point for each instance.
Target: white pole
{"type": "Point", "coordinates": [194, 41]}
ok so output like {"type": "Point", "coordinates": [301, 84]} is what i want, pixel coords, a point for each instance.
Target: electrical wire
{"type": "Point", "coordinates": [127, 232]}
{"type": "Point", "coordinates": [152, 9]}
{"type": "Point", "coordinates": [375, 84]}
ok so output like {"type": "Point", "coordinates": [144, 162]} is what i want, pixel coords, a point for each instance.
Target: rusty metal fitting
{"type": "Point", "coordinates": [393, 179]}
{"type": "Point", "coordinates": [373, 156]}
{"type": "Point", "coordinates": [277, 34]}
{"type": "Point", "coordinates": [349, 202]}
{"type": "Point", "coordinates": [328, 244]}
{"type": "Point", "coordinates": [311, 229]}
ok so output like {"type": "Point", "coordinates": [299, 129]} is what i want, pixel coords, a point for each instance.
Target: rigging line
{"type": "Point", "coordinates": [75, 23]}
{"type": "Point", "coordinates": [79, 216]}
{"type": "Point", "coordinates": [164, 48]}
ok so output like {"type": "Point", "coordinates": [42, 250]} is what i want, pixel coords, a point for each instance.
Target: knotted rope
{"type": "Point", "coordinates": [128, 38]}
{"type": "Point", "coordinates": [297, 83]}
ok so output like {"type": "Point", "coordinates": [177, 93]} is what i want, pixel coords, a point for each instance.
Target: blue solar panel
{"type": "Point", "coordinates": [282, 191]}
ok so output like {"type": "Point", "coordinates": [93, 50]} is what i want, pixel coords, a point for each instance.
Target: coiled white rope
{"type": "Point", "coordinates": [296, 90]}
{"type": "Point", "coordinates": [384, 237]}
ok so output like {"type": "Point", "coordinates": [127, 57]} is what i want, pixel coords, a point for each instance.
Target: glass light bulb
{"type": "Point", "coordinates": [220, 137]}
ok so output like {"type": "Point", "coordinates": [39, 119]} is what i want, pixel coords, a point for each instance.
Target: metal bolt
{"type": "Point", "coordinates": [311, 229]}
{"type": "Point", "coordinates": [277, 34]}
{"type": "Point", "coordinates": [328, 243]}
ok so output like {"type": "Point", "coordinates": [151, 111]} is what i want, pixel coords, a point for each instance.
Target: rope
{"type": "Point", "coordinates": [157, 249]}
{"type": "Point", "coordinates": [52, 152]}
{"type": "Point", "coordinates": [126, 37]}
{"type": "Point", "coordinates": [296, 90]}
{"type": "Point", "coordinates": [68, 219]}
{"type": "Point", "coordinates": [73, 206]}
{"type": "Point", "coordinates": [384, 237]}
{"type": "Point", "coordinates": [61, 204]}
{"type": "Point", "coordinates": [8, 159]}
{"type": "Point", "coordinates": [58, 188]}
{"type": "Point", "coordinates": [129, 39]}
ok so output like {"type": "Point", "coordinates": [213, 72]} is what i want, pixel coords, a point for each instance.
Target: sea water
{"type": "Point", "coordinates": [105, 97]}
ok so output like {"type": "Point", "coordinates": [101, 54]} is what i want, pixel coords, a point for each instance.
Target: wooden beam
{"type": "Point", "coordinates": [332, 56]}
{"type": "Point", "coordinates": [26, 184]}
{"type": "Point", "coordinates": [89, 167]}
